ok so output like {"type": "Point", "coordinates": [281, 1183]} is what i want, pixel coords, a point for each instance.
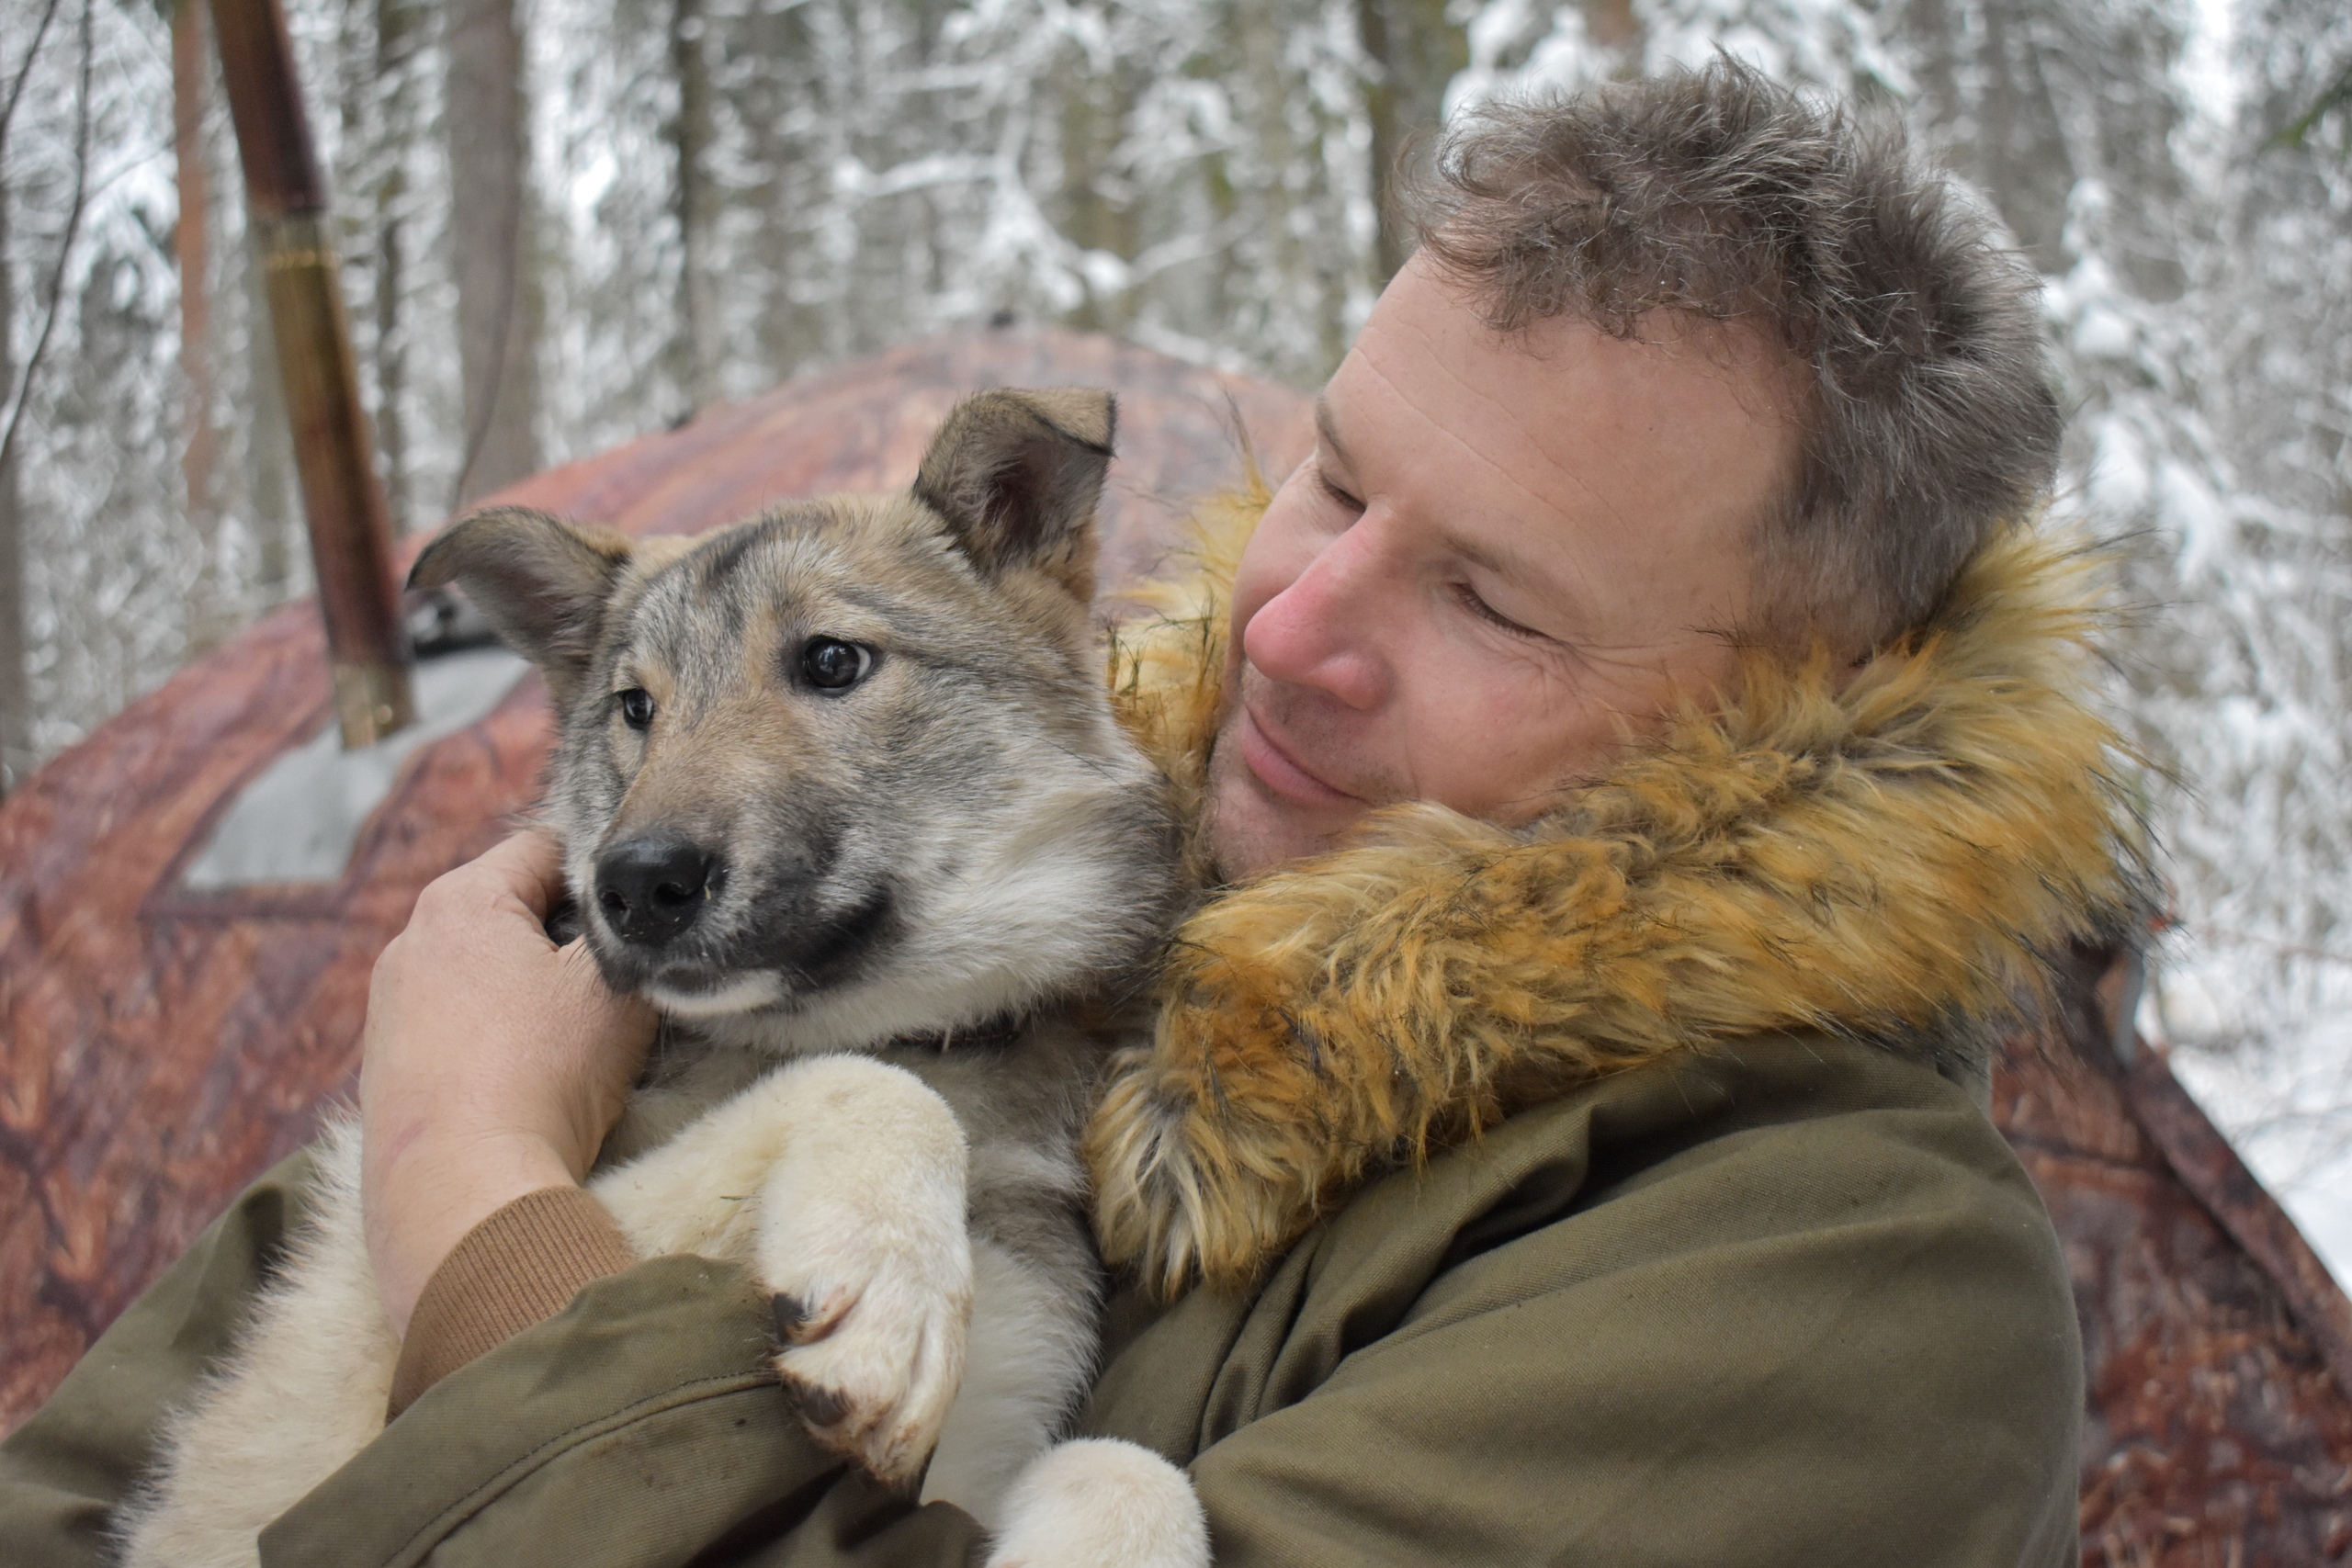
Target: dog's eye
{"type": "Point", "coordinates": [832, 665]}
{"type": "Point", "coordinates": [637, 707]}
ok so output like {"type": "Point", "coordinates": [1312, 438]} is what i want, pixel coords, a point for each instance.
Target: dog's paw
{"type": "Point", "coordinates": [1099, 1503]}
{"type": "Point", "coordinates": [863, 1240]}
{"type": "Point", "coordinates": [875, 1366]}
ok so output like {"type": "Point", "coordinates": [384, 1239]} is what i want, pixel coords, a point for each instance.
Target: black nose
{"type": "Point", "coordinates": [653, 887]}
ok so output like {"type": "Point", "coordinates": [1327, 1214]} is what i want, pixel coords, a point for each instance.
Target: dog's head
{"type": "Point", "coordinates": [850, 767]}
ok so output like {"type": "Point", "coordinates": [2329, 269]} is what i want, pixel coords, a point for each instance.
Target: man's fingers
{"type": "Point", "coordinates": [630, 1011]}
{"type": "Point", "coordinates": [527, 866]}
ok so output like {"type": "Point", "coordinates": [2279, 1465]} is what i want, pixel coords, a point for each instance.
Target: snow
{"type": "Point", "coordinates": [299, 818]}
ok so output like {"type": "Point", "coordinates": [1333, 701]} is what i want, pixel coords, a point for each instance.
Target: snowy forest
{"type": "Point", "coordinates": [566, 223]}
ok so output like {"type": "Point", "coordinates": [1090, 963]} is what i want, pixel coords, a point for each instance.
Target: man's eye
{"type": "Point", "coordinates": [637, 707]}
{"type": "Point", "coordinates": [832, 665]}
{"type": "Point", "coordinates": [1352, 503]}
{"type": "Point", "coordinates": [1485, 611]}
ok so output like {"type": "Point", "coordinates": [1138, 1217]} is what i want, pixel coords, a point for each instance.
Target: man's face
{"type": "Point", "coordinates": [1504, 556]}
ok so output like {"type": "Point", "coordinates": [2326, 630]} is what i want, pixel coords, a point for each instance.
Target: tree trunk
{"type": "Point", "coordinates": [16, 695]}
{"type": "Point", "coordinates": [764, 99]}
{"type": "Point", "coordinates": [1414, 49]}
{"type": "Point", "coordinates": [497, 340]}
{"type": "Point", "coordinates": [690, 136]}
{"type": "Point", "coordinates": [210, 617]}
{"type": "Point", "coordinates": [1996, 119]}
{"type": "Point", "coordinates": [1094, 110]}
{"type": "Point", "coordinates": [397, 25]}
{"type": "Point", "coordinates": [269, 455]}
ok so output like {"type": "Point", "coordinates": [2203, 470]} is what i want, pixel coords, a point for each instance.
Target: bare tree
{"type": "Point", "coordinates": [497, 335]}
{"type": "Point", "coordinates": [1412, 49]}
{"type": "Point", "coordinates": [400, 30]}
{"type": "Point", "coordinates": [16, 755]}
{"type": "Point", "coordinates": [690, 137]}
{"type": "Point", "coordinates": [211, 615]}
{"type": "Point", "coordinates": [16, 695]}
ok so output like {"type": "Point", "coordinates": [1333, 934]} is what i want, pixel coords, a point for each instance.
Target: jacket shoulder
{"type": "Point", "coordinates": [1829, 1150]}
{"type": "Point", "coordinates": [1792, 1302]}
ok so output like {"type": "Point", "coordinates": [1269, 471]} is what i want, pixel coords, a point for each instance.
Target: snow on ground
{"type": "Point", "coordinates": [2286, 1103]}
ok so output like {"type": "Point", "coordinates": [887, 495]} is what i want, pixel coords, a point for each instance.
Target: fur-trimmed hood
{"type": "Point", "coordinates": [1900, 858]}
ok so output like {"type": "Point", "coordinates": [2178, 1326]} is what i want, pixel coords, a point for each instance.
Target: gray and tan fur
{"type": "Point", "coordinates": [841, 792]}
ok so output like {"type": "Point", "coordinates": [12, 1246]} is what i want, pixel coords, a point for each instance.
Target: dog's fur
{"type": "Point", "coordinates": [918, 891]}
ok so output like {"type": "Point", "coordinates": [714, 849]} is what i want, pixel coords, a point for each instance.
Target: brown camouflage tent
{"type": "Point", "coordinates": [173, 1015]}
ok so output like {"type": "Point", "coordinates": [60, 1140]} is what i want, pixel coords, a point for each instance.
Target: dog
{"type": "Point", "coordinates": [842, 794]}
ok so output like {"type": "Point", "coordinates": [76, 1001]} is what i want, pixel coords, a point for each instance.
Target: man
{"type": "Point", "coordinates": [1644, 772]}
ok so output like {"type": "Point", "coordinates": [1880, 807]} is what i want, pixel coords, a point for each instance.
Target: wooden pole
{"type": "Point", "coordinates": [351, 532]}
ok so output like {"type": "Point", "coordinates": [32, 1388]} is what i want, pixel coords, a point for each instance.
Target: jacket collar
{"type": "Point", "coordinates": [1900, 859]}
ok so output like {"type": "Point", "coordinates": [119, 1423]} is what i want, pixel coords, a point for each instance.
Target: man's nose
{"type": "Point", "coordinates": [1324, 630]}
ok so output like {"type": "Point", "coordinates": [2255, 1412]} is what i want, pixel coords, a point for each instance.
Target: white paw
{"type": "Point", "coordinates": [863, 1238]}
{"type": "Point", "coordinates": [1099, 1503]}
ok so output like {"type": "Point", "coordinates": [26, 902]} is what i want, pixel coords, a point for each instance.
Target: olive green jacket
{"type": "Point", "coordinates": [1794, 1303]}
{"type": "Point", "coordinates": [1595, 1191]}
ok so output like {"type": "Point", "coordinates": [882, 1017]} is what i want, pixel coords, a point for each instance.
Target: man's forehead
{"type": "Point", "coordinates": [1474, 534]}
{"type": "Point", "coordinates": [1327, 431]}
{"type": "Point", "coordinates": [1562, 394]}
{"type": "Point", "coordinates": [1558, 451]}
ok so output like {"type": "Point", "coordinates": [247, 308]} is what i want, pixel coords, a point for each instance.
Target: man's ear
{"type": "Point", "coordinates": [1016, 475]}
{"type": "Point", "coordinates": [541, 581]}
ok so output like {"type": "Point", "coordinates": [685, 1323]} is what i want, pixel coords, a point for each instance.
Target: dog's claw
{"type": "Point", "coordinates": [876, 1382]}
{"type": "Point", "coordinates": [822, 1408]}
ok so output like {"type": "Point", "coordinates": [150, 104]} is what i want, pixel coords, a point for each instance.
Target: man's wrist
{"type": "Point", "coordinates": [435, 1190]}
{"type": "Point", "coordinates": [522, 1265]}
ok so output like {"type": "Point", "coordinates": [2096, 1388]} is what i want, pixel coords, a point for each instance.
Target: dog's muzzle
{"type": "Point", "coordinates": [694, 930]}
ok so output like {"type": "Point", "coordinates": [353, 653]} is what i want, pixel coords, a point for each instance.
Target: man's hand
{"type": "Point", "coordinates": [494, 1063]}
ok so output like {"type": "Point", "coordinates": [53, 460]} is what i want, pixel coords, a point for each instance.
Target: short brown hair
{"type": "Point", "coordinates": [1931, 424]}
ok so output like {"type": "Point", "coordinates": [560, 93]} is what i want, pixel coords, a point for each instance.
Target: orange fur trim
{"type": "Point", "coordinates": [1168, 669]}
{"type": "Point", "coordinates": [1897, 859]}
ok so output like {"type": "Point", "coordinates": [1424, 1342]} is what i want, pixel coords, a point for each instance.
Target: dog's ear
{"type": "Point", "coordinates": [541, 581]}
{"type": "Point", "coordinates": [1017, 475]}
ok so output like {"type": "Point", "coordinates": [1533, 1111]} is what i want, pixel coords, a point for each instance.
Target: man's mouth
{"type": "Point", "coordinates": [1280, 772]}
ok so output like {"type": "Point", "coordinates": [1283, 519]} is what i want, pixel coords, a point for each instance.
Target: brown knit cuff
{"type": "Point", "coordinates": [522, 1264]}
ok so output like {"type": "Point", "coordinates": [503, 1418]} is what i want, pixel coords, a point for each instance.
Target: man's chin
{"type": "Point", "coordinates": [1251, 831]}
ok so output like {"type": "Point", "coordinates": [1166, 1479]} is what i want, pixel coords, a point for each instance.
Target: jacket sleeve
{"type": "Point", "coordinates": [521, 1265]}
{"type": "Point", "coordinates": [638, 1426]}
{"type": "Point", "coordinates": [64, 1471]}
{"type": "Point", "coordinates": [642, 1424]}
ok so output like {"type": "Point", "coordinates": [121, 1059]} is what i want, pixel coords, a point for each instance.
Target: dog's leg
{"type": "Point", "coordinates": [841, 1180]}
{"type": "Point", "coordinates": [304, 1391]}
{"type": "Point", "coordinates": [1098, 1501]}
{"type": "Point", "coordinates": [862, 1227]}
{"type": "Point", "coordinates": [1031, 1352]}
